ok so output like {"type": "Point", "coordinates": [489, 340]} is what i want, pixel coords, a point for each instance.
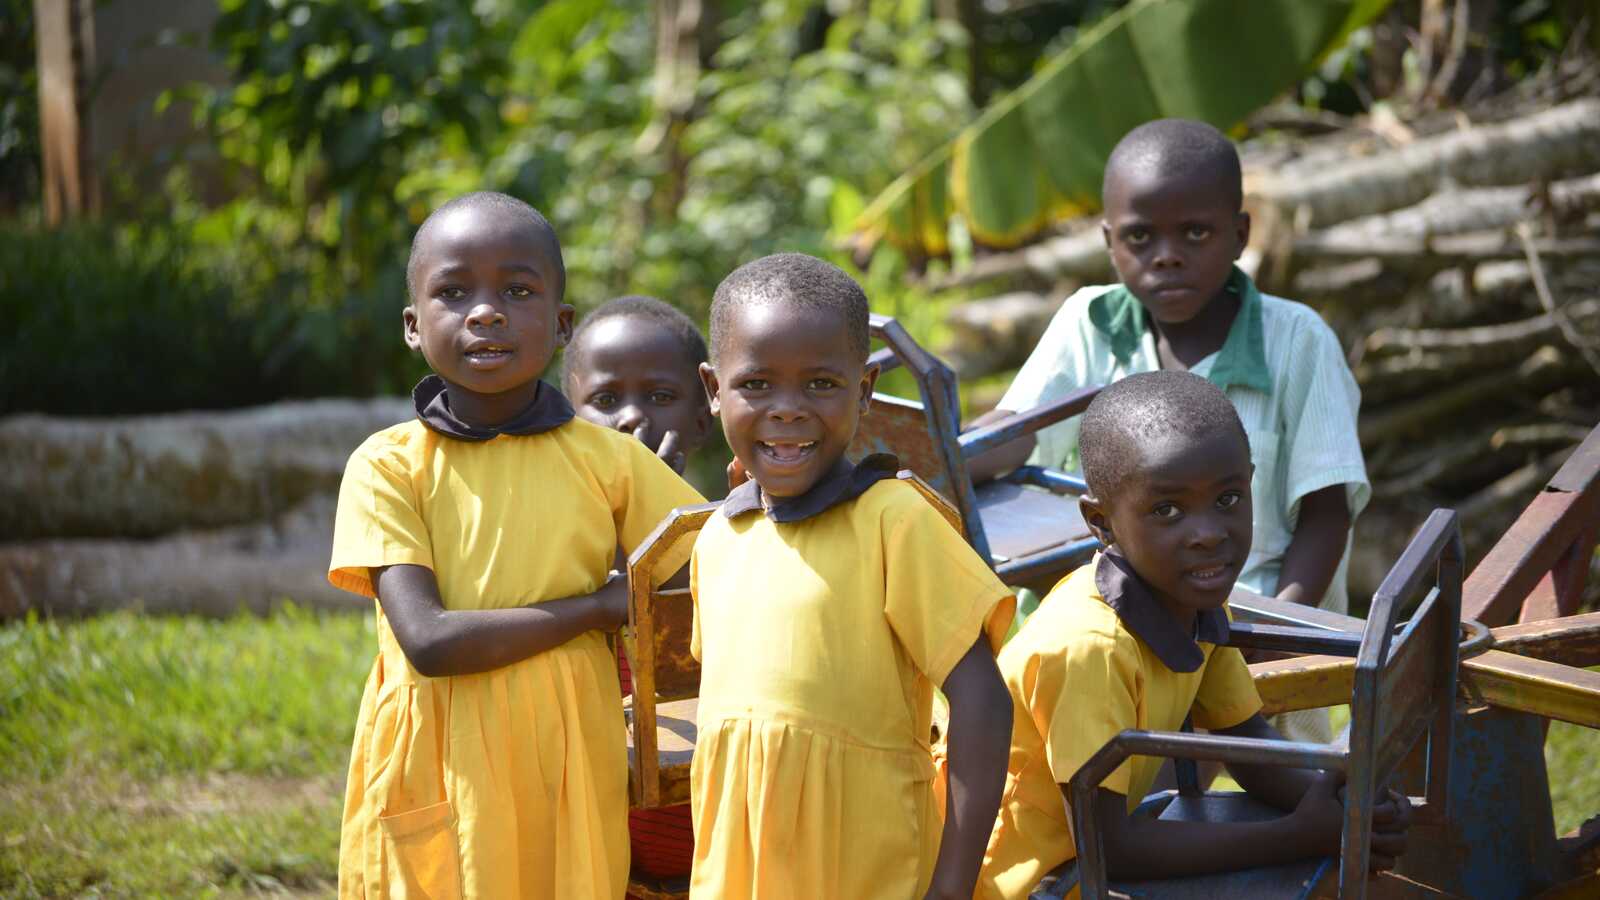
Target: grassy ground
{"type": "Point", "coordinates": [184, 757]}
{"type": "Point", "coordinates": [176, 757]}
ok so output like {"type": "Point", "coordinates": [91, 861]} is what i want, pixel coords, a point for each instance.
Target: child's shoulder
{"type": "Point", "coordinates": [395, 445]}
{"type": "Point", "coordinates": [1282, 315]}
{"type": "Point", "coordinates": [1073, 620]}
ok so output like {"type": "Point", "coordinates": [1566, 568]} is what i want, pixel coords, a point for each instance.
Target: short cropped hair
{"type": "Point", "coordinates": [793, 280]}
{"type": "Point", "coordinates": [499, 202]}
{"type": "Point", "coordinates": [1144, 406]}
{"type": "Point", "coordinates": [1184, 146]}
{"type": "Point", "coordinates": [635, 306]}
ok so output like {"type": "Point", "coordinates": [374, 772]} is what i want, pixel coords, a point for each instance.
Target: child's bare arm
{"type": "Point", "coordinates": [1140, 848]}
{"type": "Point", "coordinates": [1318, 543]}
{"type": "Point", "coordinates": [441, 642]}
{"type": "Point", "coordinates": [991, 464]}
{"type": "Point", "coordinates": [980, 739]}
{"type": "Point", "coordinates": [1273, 785]}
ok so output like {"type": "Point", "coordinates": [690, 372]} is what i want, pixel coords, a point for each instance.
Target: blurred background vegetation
{"type": "Point", "coordinates": [265, 250]}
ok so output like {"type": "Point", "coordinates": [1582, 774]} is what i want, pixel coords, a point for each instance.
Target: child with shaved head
{"type": "Point", "coordinates": [489, 756]}
{"type": "Point", "coordinates": [1174, 227]}
{"type": "Point", "coordinates": [1136, 639]}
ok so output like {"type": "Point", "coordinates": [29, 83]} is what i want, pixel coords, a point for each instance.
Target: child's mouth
{"type": "Point", "coordinates": [786, 454]}
{"type": "Point", "coordinates": [1209, 577]}
{"type": "Point", "coordinates": [488, 354]}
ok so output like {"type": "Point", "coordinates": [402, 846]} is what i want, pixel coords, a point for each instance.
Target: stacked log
{"type": "Point", "coordinates": [1461, 270]}
{"type": "Point", "coordinates": [207, 513]}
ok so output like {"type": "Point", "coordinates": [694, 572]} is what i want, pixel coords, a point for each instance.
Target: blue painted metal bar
{"type": "Point", "coordinates": [1026, 568]}
{"type": "Point", "coordinates": [1010, 428]}
{"type": "Point", "coordinates": [885, 359]}
{"type": "Point", "coordinates": [1056, 481]}
{"type": "Point", "coordinates": [1292, 639]}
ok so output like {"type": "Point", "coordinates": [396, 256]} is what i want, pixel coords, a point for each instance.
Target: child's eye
{"type": "Point", "coordinates": [1136, 236]}
{"type": "Point", "coordinates": [603, 400]}
{"type": "Point", "coordinates": [1197, 232]}
{"type": "Point", "coordinates": [519, 290]}
{"type": "Point", "coordinates": [662, 398]}
{"type": "Point", "coordinates": [451, 293]}
{"type": "Point", "coordinates": [1167, 511]}
{"type": "Point", "coordinates": [754, 384]}
{"type": "Point", "coordinates": [822, 384]}
{"type": "Point", "coordinates": [1229, 500]}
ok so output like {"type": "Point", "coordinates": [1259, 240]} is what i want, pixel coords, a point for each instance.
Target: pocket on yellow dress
{"type": "Point", "coordinates": [424, 858]}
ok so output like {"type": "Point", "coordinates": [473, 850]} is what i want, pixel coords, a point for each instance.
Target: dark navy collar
{"type": "Point", "coordinates": [1127, 594]}
{"type": "Point", "coordinates": [548, 410]}
{"type": "Point", "coordinates": [846, 482]}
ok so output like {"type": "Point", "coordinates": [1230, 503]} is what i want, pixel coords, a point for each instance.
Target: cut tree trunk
{"type": "Point", "coordinates": [216, 573]}
{"type": "Point", "coordinates": [152, 475]}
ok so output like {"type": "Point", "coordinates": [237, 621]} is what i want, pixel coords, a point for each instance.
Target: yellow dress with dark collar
{"type": "Point", "coordinates": [823, 626]}
{"type": "Point", "coordinates": [513, 782]}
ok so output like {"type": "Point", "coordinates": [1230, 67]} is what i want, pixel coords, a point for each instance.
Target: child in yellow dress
{"type": "Point", "coordinates": [634, 365]}
{"type": "Point", "coordinates": [830, 599]}
{"type": "Point", "coordinates": [489, 754]}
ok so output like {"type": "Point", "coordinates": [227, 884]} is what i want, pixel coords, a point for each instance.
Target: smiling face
{"type": "Point", "coordinates": [1181, 517]}
{"type": "Point", "coordinates": [486, 310]}
{"type": "Point", "coordinates": [636, 377]}
{"type": "Point", "coordinates": [789, 388]}
{"type": "Point", "coordinates": [1173, 238]}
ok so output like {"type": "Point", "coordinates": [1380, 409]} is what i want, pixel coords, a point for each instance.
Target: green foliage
{"type": "Point", "coordinates": [1036, 155]}
{"type": "Point", "coordinates": [19, 106]}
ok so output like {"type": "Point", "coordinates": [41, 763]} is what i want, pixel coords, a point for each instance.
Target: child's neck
{"type": "Point", "coordinates": [490, 410]}
{"type": "Point", "coordinates": [1179, 345]}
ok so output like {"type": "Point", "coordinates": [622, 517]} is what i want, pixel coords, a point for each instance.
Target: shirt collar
{"type": "Point", "coordinates": [1127, 595]}
{"type": "Point", "coordinates": [548, 410]}
{"type": "Point", "coordinates": [846, 482]}
{"type": "Point", "coordinates": [1120, 317]}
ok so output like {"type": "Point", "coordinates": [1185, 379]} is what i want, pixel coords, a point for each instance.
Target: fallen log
{"type": "Point", "coordinates": [1546, 369]}
{"type": "Point", "coordinates": [996, 333]}
{"type": "Point", "coordinates": [1458, 211]}
{"type": "Point", "coordinates": [214, 573]}
{"type": "Point", "coordinates": [1508, 340]}
{"type": "Point", "coordinates": [1421, 256]}
{"type": "Point", "coordinates": [152, 475]}
{"type": "Point", "coordinates": [1553, 143]}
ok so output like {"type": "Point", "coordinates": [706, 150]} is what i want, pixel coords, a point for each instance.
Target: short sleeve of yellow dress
{"type": "Point", "coordinates": [821, 641]}
{"type": "Point", "coordinates": [513, 782]}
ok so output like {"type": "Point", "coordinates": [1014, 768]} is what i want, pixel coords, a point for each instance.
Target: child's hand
{"type": "Point", "coordinates": [1321, 813]}
{"type": "Point", "coordinates": [1391, 818]}
{"type": "Point", "coordinates": [670, 450]}
{"type": "Point", "coordinates": [736, 474]}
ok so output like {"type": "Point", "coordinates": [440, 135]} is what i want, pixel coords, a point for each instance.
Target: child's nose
{"type": "Point", "coordinates": [631, 418]}
{"type": "Point", "coordinates": [485, 314]}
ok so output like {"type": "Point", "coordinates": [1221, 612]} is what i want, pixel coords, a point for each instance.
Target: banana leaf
{"type": "Point", "coordinates": [1036, 155]}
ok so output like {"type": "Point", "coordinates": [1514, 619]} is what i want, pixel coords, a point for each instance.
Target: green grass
{"type": "Point", "coordinates": [181, 757]}
{"type": "Point", "coordinates": [176, 756]}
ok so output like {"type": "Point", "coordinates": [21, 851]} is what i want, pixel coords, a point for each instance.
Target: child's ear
{"type": "Point", "coordinates": [1094, 516]}
{"type": "Point", "coordinates": [1241, 227]}
{"type": "Point", "coordinates": [1105, 233]}
{"type": "Point", "coordinates": [409, 317]}
{"type": "Point", "coordinates": [564, 315]}
{"type": "Point", "coordinates": [869, 380]}
{"type": "Point", "coordinates": [708, 379]}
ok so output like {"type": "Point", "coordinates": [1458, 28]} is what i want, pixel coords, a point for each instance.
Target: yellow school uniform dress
{"type": "Point", "coordinates": [509, 783]}
{"type": "Point", "coordinates": [823, 626]}
{"type": "Point", "coordinates": [1098, 656]}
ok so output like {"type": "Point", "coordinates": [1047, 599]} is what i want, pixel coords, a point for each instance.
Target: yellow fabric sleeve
{"type": "Point", "coordinates": [938, 595]}
{"type": "Point", "coordinates": [376, 523]}
{"type": "Point", "coordinates": [1080, 698]}
{"type": "Point", "coordinates": [642, 491]}
{"type": "Point", "coordinates": [1227, 694]}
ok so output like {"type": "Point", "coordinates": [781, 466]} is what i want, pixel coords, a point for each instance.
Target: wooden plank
{"type": "Point", "coordinates": [1308, 682]}
{"type": "Point", "coordinates": [1571, 641]}
{"type": "Point", "coordinates": [1536, 542]}
{"type": "Point", "coordinates": [1534, 686]}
